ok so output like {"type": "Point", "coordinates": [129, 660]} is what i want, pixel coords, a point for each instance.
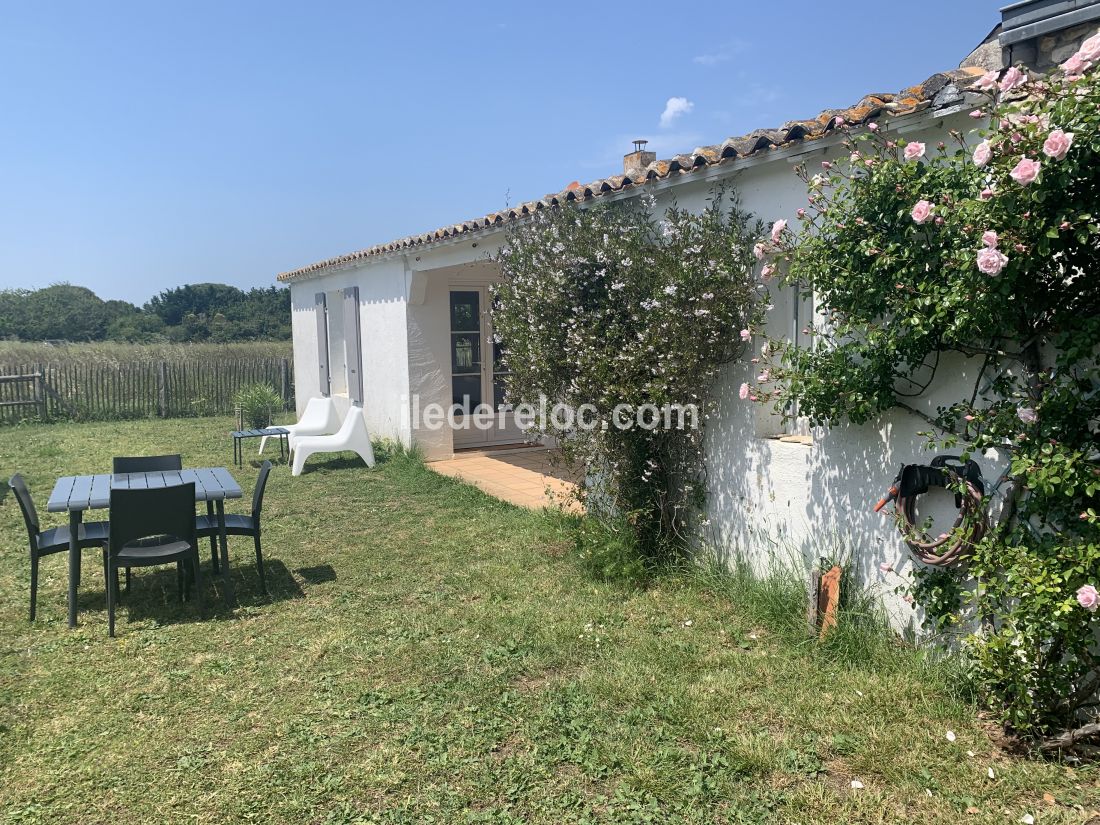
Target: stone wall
{"type": "Point", "coordinates": [1047, 51]}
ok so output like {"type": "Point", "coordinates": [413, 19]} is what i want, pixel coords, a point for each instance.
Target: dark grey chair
{"type": "Point", "coordinates": [146, 463]}
{"type": "Point", "coordinates": [152, 464]}
{"type": "Point", "coordinates": [149, 528]}
{"type": "Point", "coordinates": [242, 525]}
{"type": "Point", "coordinates": [55, 539]}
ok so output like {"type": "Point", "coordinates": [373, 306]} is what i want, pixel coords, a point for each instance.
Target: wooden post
{"type": "Point", "coordinates": [162, 389]}
{"type": "Point", "coordinates": [284, 380]}
{"type": "Point", "coordinates": [40, 394]}
{"type": "Point", "coordinates": [828, 600]}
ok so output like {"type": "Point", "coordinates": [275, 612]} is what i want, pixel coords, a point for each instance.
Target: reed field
{"type": "Point", "coordinates": [110, 381]}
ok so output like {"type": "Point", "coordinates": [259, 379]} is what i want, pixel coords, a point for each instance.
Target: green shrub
{"type": "Point", "coordinates": [257, 404]}
{"type": "Point", "coordinates": [619, 308]}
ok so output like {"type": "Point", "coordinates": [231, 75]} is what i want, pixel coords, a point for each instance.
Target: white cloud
{"type": "Point", "coordinates": [675, 107]}
{"type": "Point", "coordinates": [710, 59]}
{"type": "Point", "coordinates": [720, 55]}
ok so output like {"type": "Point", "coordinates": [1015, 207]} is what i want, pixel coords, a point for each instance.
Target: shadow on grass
{"type": "Point", "coordinates": [319, 574]}
{"type": "Point", "coordinates": [154, 595]}
{"type": "Point", "coordinates": [341, 462]}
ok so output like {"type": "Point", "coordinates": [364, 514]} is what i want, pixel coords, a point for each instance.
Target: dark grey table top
{"type": "Point", "coordinates": [94, 492]}
{"type": "Point", "coordinates": [255, 433]}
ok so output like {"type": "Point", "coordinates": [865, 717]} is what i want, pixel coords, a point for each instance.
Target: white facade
{"type": "Point", "coordinates": [768, 499]}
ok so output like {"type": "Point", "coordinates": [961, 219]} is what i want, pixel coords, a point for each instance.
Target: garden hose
{"type": "Point", "coordinates": [970, 525]}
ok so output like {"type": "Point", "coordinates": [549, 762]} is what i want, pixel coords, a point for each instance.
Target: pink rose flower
{"type": "Point", "coordinates": [1074, 66]}
{"type": "Point", "coordinates": [885, 567]}
{"type": "Point", "coordinates": [914, 150]}
{"type": "Point", "coordinates": [854, 157]}
{"type": "Point", "coordinates": [986, 194]}
{"type": "Point", "coordinates": [1057, 144]}
{"type": "Point", "coordinates": [801, 212]}
{"type": "Point", "coordinates": [909, 598]}
{"type": "Point", "coordinates": [921, 211]}
{"type": "Point", "coordinates": [1090, 49]}
{"type": "Point", "coordinates": [1088, 597]}
{"type": "Point", "coordinates": [743, 393]}
{"type": "Point", "coordinates": [982, 153]}
{"type": "Point", "coordinates": [1027, 415]}
{"type": "Point", "coordinates": [977, 113]}
{"type": "Point", "coordinates": [1025, 172]}
{"type": "Point", "coordinates": [745, 335]}
{"type": "Point", "coordinates": [989, 238]}
{"type": "Point", "coordinates": [873, 127]}
{"type": "Point", "coordinates": [840, 121]}
{"type": "Point", "coordinates": [988, 81]}
{"type": "Point", "coordinates": [777, 229]}
{"type": "Point", "coordinates": [758, 251]}
{"type": "Point", "coordinates": [991, 261]}
{"type": "Point", "coordinates": [767, 271]}
{"type": "Point", "coordinates": [826, 165]}
{"type": "Point", "coordinates": [1013, 78]}
{"type": "Point", "coordinates": [764, 377]}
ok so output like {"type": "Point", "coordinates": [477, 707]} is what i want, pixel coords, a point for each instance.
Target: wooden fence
{"type": "Point", "coordinates": [103, 391]}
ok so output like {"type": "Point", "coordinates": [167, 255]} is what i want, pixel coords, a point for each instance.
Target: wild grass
{"type": "Point", "coordinates": [18, 353]}
{"type": "Point", "coordinates": [430, 654]}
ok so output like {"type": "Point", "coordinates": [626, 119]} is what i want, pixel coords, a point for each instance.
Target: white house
{"type": "Point", "coordinates": [402, 325]}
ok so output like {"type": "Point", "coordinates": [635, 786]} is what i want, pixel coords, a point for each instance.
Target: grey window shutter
{"type": "Point", "coordinates": [322, 344]}
{"type": "Point", "coordinates": [354, 345]}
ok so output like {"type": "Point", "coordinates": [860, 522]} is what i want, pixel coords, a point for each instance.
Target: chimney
{"type": "Point", "coordinates": [1043, 33]}
{"type": "Point", "coordinates": [635, 163]}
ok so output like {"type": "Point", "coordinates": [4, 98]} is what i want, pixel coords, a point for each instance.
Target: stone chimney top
{"type": "Point", "coordinates": [635, 162]}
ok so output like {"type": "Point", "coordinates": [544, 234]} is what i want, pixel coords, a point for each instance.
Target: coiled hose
{"type": "Point", "coordinates": [947, 548]}
{"type": "Point", "coordinates": [971, 523]}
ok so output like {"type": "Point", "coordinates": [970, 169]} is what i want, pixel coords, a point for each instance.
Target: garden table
{"type": "Point", "coordinates": [239, 436]}
{"type": "Point", "coordinates": [75, 494]}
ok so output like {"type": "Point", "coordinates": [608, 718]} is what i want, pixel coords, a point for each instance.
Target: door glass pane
{"type": "Point", "coordinates": [465, 311]}
{"type": "Point", "coordinates": [465, 352]}
{"type": "Point", "coordinates": [466, 391]}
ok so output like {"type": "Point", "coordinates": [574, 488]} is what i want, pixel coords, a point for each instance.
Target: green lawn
{"type": "Point", "coordinates": [433, 655]}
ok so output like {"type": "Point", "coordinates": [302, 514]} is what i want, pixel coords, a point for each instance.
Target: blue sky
{"type": "Point", "coordinates": [148, 145]}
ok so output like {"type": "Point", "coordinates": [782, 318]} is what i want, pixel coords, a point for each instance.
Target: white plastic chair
{"type": "Point", "coordinates": [352, 436]}
{"type": "Point", "coordinates": [319, 418]}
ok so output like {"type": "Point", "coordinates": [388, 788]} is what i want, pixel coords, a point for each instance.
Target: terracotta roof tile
{"type": "Point", "coordinates": [940, 90]}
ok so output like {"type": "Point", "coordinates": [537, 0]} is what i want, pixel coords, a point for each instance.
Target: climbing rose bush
{"type": "Point", "coordinates": [615, 305]}
{"type": "Point", "coordinates": [984, 247]}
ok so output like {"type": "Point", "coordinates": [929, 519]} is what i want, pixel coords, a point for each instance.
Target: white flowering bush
{"type": "Point", "coordinates": [622, 315]}
{"type": "Point", "coordinates": [988, 246]}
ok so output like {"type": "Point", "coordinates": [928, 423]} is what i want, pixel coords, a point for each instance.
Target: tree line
{"type": "Point", "coordinates": [215, 313]}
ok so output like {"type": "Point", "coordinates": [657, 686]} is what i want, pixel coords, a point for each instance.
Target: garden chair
{"type": "Point", "coordinates": [55, 539]}
{"type": "Point", "coordinates": [319, 418]}
{"type": "Point", "coordinates": [352, 435]}
{"type": "Point", "coordinates": [146, 463]}
{"type": "Point", "coordinates": [155, 464]}
{"type": "Point", "coordinates": [236, 525]}
{"type": "Point", "coordinates": [151, 527]}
